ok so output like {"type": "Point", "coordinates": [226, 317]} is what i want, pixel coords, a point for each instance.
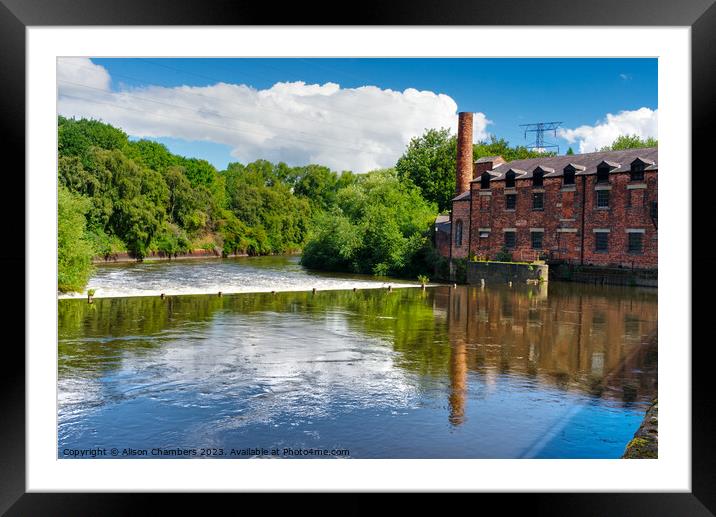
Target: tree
{"type": "Point", "coordinates": [501, 147]}
{"type": "Point", "coordinates": [378, 226]}
{"type": "Point", "coordinates": [570, 151]}
{"type": "Point", "coordinates": [77, 137]}
{"type": "Point", "coordinates": [429, 162]}
{"type": "Point", "coordinates": [630, 142]}
{"type": "Point", "coordinates": [74, 250]}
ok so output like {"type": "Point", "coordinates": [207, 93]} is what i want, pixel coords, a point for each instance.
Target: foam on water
{"type": "Point", "coordinates": [235, 275]}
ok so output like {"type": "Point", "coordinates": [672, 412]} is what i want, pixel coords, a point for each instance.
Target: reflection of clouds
{"type": "Point", "coordinates": [259, 367]}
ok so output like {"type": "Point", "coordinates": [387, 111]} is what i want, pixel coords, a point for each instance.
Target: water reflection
{"type": "Point", "coordinates": [601, 341]}
{"type": "Point", "coordinates": [526, 372]}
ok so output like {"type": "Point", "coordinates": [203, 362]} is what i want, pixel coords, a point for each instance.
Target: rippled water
{"type": "Point", "coordinates": [558, 371]}
{"type": "Point", "coordinates": [209, 276]}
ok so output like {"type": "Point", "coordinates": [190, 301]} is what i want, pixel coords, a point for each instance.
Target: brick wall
{"type": "Point", "coordinates": [460, 215]}
{"type": "Point", "coordinates": [628, 212]}
{"type": "Point", "coordinates": [561, 219]}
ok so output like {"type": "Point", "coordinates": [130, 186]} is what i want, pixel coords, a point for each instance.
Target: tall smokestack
{"type": "Point", "coordinates": [464, 152]}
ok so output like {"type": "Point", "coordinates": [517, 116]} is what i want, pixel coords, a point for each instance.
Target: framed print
{"type": "Point", "coordinates": [416, 254]}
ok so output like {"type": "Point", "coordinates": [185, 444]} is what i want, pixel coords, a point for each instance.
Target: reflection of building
{"type": "Point", "coordinates": [580, 338]}
{"type": "Point", "coordinates": [596, 208]}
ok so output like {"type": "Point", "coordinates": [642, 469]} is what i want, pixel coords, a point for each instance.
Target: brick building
{"type": "Point", "coordinates": [589, 209]}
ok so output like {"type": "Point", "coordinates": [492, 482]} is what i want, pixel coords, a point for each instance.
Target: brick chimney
{"type": "Point", "coordinates": [464, 152]}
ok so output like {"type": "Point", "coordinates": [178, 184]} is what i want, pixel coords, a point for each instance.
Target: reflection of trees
{"type": "Point", "coordinates": [595, 339]}
{"type": "Point", "coordinates": [403, 317]}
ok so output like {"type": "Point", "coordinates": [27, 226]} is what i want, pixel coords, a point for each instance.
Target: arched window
{"type": "Point", "coordinates": [485, 180]}
{"type": "Point", "coordinates": [510, 179]}
{"type": "Point", "coordinates": [458, 233]}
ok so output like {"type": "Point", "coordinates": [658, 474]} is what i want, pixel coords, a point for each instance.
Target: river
{"type": "Point", "coordinates": [557, 370]}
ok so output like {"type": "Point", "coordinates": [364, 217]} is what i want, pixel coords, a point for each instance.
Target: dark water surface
{"type": "Point", "coordinates": [557, 371]}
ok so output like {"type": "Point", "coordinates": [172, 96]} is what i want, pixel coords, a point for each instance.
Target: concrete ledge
{"type": "Point", "coordinates": [502, 273]}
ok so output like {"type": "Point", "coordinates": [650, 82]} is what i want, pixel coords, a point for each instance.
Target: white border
{"type": "Point", "coordinates": [670, 472]}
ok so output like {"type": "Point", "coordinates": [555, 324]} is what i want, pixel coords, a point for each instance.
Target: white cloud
{"type": "Point", "coordinates": [75, 71]}
{"type": "Point", "coordinates": [642, 122]}
{"type": "Point", "coordinates": [355, 129]}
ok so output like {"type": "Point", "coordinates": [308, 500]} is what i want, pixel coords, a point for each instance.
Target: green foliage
{"type": "Point", "coordinates": [570, 152]}
{"type": "Point", "coordinates": [379, 226]}
{"type": "Point", "coordinates": [423, 279]}
{"type": "Point", "coordinates": [630, 142]}
{"type": "Point", "coordinates": [170, 241]}
{"type": "Point", "coordinates": [77, 137]}
{"type": "Point", "coordinates": [258, 197]}
{"type": "Point", "coordinates": [430, 162]}
{"type": "Point", "coordinates": [460, 266]}
{"type": "Point", "coordinates": [74, 249]}
{"type": "Point", "coordinates": [503, 255]}
{"type": "Point", "coordinates": [501, 147]}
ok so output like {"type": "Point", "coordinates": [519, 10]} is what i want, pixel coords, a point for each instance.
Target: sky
{"type": "Point", "coordinates": [356, 114]}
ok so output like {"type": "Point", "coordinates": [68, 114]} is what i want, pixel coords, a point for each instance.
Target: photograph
{"type": "Point", "coordinates": [426, 252]}
{"type": "Point", "coordinates": [352, 258]}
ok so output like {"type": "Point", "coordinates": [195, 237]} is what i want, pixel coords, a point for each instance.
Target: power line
{"type": "Point", "coordinates": [540, 128]}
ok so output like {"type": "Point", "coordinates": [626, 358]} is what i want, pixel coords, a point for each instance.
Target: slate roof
{"type": "Point", "coordinates": [486, 159]}
{"type": "Point", "coordinates": [442, 223]}
{"type": "Point", "coordinates": [584, 163]}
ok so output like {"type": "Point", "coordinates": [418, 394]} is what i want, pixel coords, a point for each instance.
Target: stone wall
{"type": "Point", "coordinates": [645, 444]}
{"type": "Point", "coordinates": [500, 273]}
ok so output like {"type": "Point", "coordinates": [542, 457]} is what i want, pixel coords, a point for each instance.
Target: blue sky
{"type": "Point", "coordinates": [581, 93]}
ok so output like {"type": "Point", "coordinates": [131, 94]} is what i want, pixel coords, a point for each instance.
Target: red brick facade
{"type": "Point", "coordinates": [592, 209]}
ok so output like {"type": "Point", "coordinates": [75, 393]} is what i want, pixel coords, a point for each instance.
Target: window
{"type": "Point", "coordinates": [636, 242]}
{"type": "Point", "coordinates": [510, 201]}
{"type": "Point", "coordinates": [510, 240]}
{"type": "Point", "coordinates": [568, 178]}
{"type": "Point", "coordinates": [637, 171]}
{"type": "Point", "coordinates": [458, 233]}
{"type": "Point", "coordinates": [563, 241]}
{"type": "Point", "coordinates": [537, 178]}
{"type": "Point", "coordinates": [602, 199]}
{"type": "Point", "coordinates": [485, 180]}
{"type": "Point", "coordinates": [510, 179]}
{"type": "Point", "coordinates": [537, 240]}
{"type": "Point", "coordinates": [538, 201]}
{"type": "Point", "coordinates": [601, 242]}
{"type": "Point", "coordinates": [485, 203]}
{"type": "Point", "coordinates": [603, 175]}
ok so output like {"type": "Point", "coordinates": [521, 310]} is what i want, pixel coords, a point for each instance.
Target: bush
{"type": "Point", "coordinates": [74, 249]}
{"type": "Point", "coordinates": [379, 227]}
{"type": "Point", "coordinates": [504, 255]}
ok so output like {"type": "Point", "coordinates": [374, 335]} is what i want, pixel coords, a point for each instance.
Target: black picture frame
{"type": "Point", "coordinates": [16, 15]}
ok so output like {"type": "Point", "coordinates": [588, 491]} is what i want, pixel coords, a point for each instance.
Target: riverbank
{"type": "Point", "coordinates": [190, 255]}
{"type": "Point", "coordinates": [645, 444]}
